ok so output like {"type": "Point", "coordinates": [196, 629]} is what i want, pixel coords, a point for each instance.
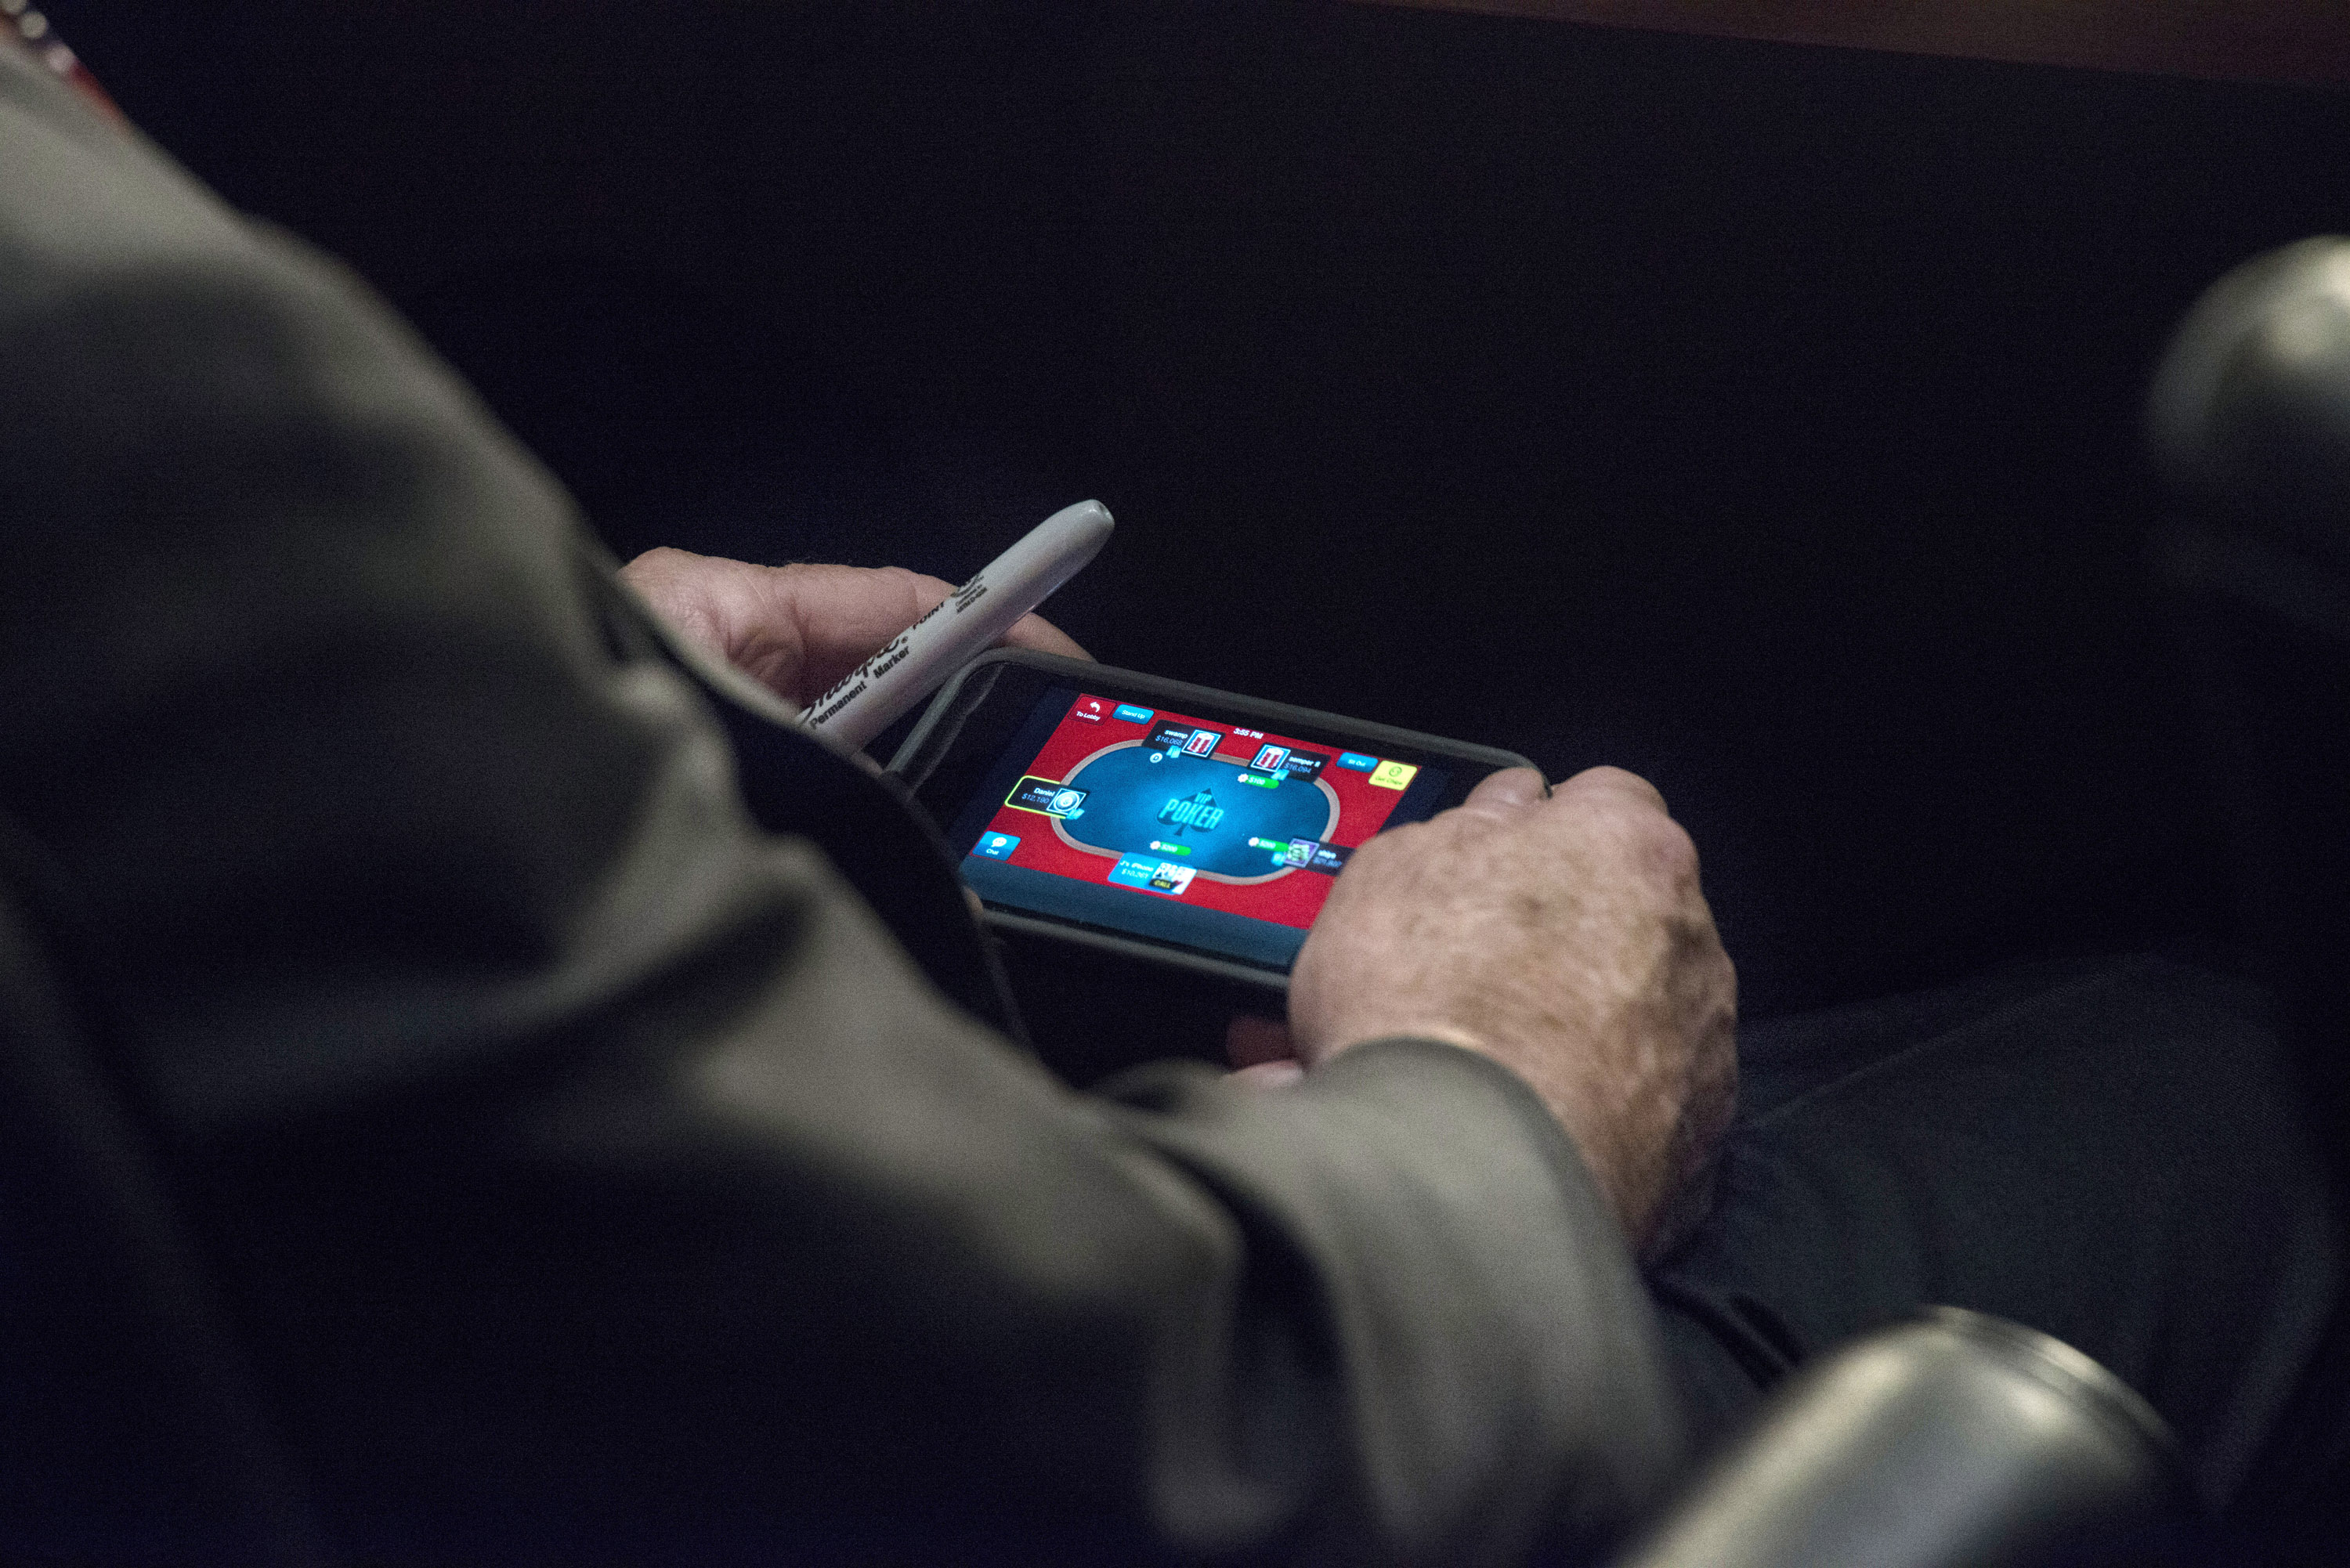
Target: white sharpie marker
{"type": "Point", "coordinates": [917, 662]}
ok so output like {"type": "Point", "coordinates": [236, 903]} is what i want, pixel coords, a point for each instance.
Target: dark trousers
{"type": "Point", "coordinates": [2111, 1151]}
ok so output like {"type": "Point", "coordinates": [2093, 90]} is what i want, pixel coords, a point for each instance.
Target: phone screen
{"type": "Point", "coordinates": [1180, 827]}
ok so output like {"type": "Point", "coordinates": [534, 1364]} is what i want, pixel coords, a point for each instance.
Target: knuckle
{"type": "Point", "coordinates": [1606, 780]}
{"type": "Point", "coordinates": [1662, 849]}
{"type": "Point", "coordinates": [1676, 850]}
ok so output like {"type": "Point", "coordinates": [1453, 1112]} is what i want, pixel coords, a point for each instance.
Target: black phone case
{"type": "Point", "coordinates": [942, 724]}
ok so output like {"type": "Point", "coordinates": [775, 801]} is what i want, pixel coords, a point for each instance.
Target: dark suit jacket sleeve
{"type": "Point", "coordinates": [581, 1163]}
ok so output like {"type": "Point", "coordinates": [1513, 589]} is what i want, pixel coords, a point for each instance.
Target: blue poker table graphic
{"type": "Point", "coordinates": [1199, 811]}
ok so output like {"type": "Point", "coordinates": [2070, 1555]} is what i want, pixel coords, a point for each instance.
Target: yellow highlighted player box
{"type": "Point", "coordinates": [1393, 775]}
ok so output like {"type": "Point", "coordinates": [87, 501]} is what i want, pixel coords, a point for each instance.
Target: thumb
{"type": "Point", "coordinates": [1508, 790]}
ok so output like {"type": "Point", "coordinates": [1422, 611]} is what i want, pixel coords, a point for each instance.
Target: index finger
{"type": "Point", "coordinates": [840, 616]}
{"type": "Point", "coordinates": [845, 614]}
{"type": "Point", "coordinates": [1508, 789]}
{"type": "Point", "coordinates": [1034, 632]}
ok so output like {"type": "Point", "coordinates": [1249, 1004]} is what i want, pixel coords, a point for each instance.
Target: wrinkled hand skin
{"type": "Point", "coordinates": [798, 630]}
{"type": "Point", "coordinates": [1564, 936]}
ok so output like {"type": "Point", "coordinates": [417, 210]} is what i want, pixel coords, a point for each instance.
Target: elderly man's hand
{"type": "Point", "coordinates": [799, 629]}
{"type": "Point", "coordinates": [1564, 936]}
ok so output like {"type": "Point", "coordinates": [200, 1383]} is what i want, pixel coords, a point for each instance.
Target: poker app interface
{"type": "Point", "coordinates": [1179, 828]}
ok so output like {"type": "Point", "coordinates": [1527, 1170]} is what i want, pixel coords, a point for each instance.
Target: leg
{"type": "Point", "coordinates": [2113, 1153]}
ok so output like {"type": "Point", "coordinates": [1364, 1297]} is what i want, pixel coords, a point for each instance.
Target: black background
{"type": "Point", "coordinates": [1762, 418]}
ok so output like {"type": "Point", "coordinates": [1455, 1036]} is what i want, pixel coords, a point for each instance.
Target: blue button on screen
{"type": "Point", "coordinates": [996, 846]}
{"type": "Point", "coordinates": [1358, 762]}
{"type": "Point", "coordinates": [1131, 714]}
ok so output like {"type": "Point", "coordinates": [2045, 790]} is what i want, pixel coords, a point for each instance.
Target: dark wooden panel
{"type": "Point", "coordinates": [2278, 40]}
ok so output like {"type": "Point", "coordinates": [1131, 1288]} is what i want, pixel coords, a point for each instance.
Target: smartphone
{"type": "Point", "coordinates": [1118, 813]}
